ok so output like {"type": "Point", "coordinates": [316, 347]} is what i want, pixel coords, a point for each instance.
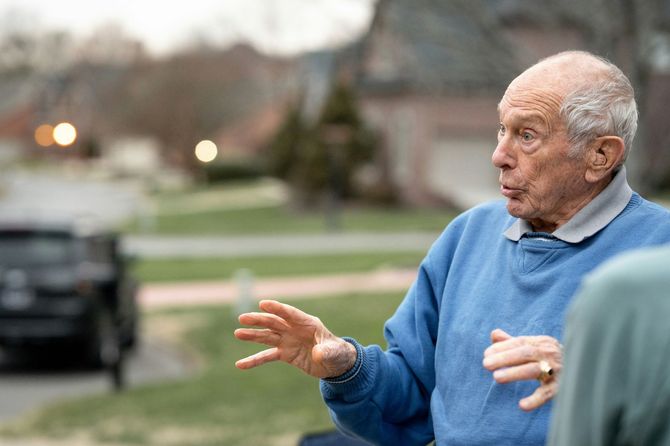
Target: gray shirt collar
{"type": "Point", "coordinates": [597, 214]}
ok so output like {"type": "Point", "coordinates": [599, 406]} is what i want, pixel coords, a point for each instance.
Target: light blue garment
{"type": "Point", "coordinates": [615, 385]}
{"type": "Point", "coordinates": [430, 382]}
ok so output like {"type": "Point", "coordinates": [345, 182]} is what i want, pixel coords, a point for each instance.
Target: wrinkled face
{"type": "Point", "coordinates": [541, 183]}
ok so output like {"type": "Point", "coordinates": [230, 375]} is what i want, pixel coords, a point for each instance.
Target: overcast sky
{"type": "Point", "coordinates": [284, 26]}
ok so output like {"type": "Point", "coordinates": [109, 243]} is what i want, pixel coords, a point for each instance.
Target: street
{"type": "Point", "coordinates": [28, 383]}
{"type": "Point", "coordinates": [147, 246]}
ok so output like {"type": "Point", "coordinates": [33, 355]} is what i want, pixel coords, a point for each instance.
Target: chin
{"type": "Point", "coordinates": [515, 210]}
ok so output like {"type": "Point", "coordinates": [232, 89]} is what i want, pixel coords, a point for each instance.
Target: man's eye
{"type": "Point", "coordinates": [501, 129]}
{"type": "Point", "coordinates": [527, 136]}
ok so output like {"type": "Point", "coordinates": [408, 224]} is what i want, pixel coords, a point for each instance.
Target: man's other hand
{"type": "Point", "coordinates": [296, 338]}
{"type": "Point", "coordinates": [519, 358]}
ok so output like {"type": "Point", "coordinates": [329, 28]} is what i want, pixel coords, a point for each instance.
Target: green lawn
{"type": "Point", "coordinates": [261, 207]}
{"type": "Point", "coordinates": [269, 406]}
{"type": "Point", "coordinates": [282, 220]}
{"type": "Point", "coordinates": [168, 270]}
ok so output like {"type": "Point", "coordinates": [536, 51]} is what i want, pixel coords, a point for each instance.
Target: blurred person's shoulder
{"type": "Point", "coordinates": [636, 266]}
{"type": "Point", "coordinates": [627, 279]}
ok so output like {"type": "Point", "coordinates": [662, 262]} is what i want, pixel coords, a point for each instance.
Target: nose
{"type": "Point", "coordinates": [503, 155]}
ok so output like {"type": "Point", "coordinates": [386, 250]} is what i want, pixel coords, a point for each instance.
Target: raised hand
{"type": "Point", "coordinates": [296, 338]}
{"type": "Point", "coordinates": [523, 358]}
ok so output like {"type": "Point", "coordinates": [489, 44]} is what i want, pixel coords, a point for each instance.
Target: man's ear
{"type": "Point", "coordinates": [604, 155]}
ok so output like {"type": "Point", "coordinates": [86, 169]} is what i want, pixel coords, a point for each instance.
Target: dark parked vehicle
{"type": "Point", "coordinates": [68, 285]}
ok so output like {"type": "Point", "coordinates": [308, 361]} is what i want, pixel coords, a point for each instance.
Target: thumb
{"type": "Point", "coordinates": [499, 335]}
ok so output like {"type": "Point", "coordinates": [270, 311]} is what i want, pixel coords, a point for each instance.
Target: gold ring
{"type": "Point", "coordinates": [546, 372]}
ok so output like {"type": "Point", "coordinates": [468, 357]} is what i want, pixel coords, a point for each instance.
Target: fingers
{"type": "Point", "coordinates": [542, 395]}
{"type": "Point", "coordinates": [290, 314]}
{"type": "Point", "coordinates": [277, 316]}
{"type": "Point", "coordinates": [267, 337]}
{"type": "Point", "coordinates": [499, 335]}
{"type": "Point", "coordinates": [523, 372]}
{"type": "Point", "coordinates": [269, 355]}
{"type": "Point", "coordinates": [504, 345]}
{"type": "Point", "coordinates": [264, 320]}
{"type": "Point", "coordinates": [292, 333]}
{"type": "Point", "coordinates": [521, 354]}
{"type": "Point", "coordinates": [519, 358]}
{"type": "Point", "coordinates": [545, 392]}
{"type": "Point", "coordinates": [523, 349]}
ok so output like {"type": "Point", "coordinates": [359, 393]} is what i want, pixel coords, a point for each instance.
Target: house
{"type": "Point", "coordinates": [430, 75]}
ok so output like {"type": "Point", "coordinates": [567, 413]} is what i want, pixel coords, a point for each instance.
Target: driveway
{"type": "Point", "coordinates": [27, 384]}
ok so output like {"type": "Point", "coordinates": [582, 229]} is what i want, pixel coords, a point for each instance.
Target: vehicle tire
{"type": "Point", "coordinates": [130, 336]}
{"type": "Point", "coordinates": [104, 350]}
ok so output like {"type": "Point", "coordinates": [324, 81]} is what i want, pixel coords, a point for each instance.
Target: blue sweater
{"type": "Point", "coordinates": [430, 382]}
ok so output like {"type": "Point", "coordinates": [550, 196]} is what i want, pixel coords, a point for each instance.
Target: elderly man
{"type": "Point", "coordinates": [473, 351]}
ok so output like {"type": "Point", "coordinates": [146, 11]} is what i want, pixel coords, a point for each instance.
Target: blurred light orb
{"type": "Point", "coordinates": [44, 135]}
{"type": "Point", "coordinates": [206, 151]}
{"type": "Point", "coordinates": [64, 134]}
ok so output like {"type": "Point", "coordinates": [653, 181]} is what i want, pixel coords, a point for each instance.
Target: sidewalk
{"type": "Point", "coordinates": [152, 246]}
{"type": "Point", "coordinates": [154, 296]}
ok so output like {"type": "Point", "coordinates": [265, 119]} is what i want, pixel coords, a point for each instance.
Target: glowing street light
{"type": "Point", "coordinates": [44, 135]}
{"type": "Point", "coordinates": [64, 134]}
{"type": "Point", "coordinates": [206, 151]}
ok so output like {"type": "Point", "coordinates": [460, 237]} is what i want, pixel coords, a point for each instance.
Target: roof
{"type": "Point", "coordinates": [435, 46]}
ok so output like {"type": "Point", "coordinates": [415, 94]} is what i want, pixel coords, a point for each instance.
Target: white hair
{"type": "Point", "coordinates": [605, 107]}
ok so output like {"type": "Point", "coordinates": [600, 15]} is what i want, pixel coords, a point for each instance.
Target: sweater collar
{"type": "Point", "coordinates": [593, 217]}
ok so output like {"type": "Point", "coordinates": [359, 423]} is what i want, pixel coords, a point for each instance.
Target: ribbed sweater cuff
{"type": "Point", "coordinates": [355, 381]}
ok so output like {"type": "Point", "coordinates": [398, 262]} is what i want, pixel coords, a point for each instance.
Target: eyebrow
{"type": "Point", "coordinates": [528, 117]}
